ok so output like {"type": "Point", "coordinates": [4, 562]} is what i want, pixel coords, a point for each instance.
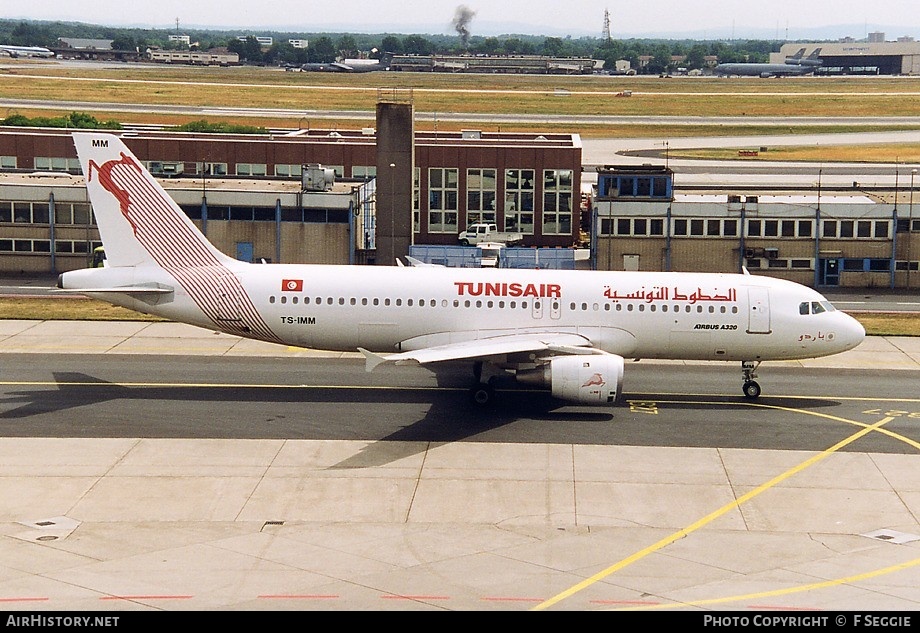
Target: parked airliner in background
{"type": "Point", "coordinates": [568, 331]}
{"type": "Point", "coordinates": [26, 51]}
{"type": "Point", "coordinates": [346, 66]}
{"type": "Point", "coordinates": [794, 65]}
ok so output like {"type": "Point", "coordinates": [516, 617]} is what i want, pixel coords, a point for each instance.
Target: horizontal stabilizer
{"type": "Point", "coordinates": [138, 289]}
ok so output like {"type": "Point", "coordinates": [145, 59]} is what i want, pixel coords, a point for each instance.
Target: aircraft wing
{"type": "Point", "coordinates": [542, 342]}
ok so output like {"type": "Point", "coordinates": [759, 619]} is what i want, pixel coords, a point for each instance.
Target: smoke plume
{"type": "Point", "coordinates": [462, 18]}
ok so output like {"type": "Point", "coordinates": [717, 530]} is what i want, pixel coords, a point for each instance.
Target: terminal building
{"type": "Point", "coordinates": [251, 194]}
{"type": "Point", "coordinates": [819, 239]}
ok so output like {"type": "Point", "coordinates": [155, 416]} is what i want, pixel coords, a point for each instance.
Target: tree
{"type": "Point", "coordinates": [347, 46]}
{"type": "Point", "coordinates": [417, 45]}
{"type": "Point", "coordinates": [124, 43]}
{"type": "Point", "coordinates": [322, 51]}
{"type": "Point", "coordinates": [391, 44]}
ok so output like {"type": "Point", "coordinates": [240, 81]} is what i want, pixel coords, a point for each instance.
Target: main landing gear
{"type": "Point", "coordinates": [483, 393]}
{"type": "Point", "coordinates": [750, 388]}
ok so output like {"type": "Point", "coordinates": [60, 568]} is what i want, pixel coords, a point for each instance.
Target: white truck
{"type": "Point", "coordinates": [488, 232]}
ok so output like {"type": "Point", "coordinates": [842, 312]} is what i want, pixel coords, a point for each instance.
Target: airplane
{"type": "Point", "coordinates": [346, 66]}
{"type": "Point", "coordinates": [26, 51]}
{"type": "Point", "coordinates": [813, 58]}
{"type": "Point", "coordinates": [794, 65]}
{"type": "Point", "coordinates": [565, 331]}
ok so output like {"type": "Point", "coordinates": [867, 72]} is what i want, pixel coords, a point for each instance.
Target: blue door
{"type": "Point", "coordinates": [829, 272]}
{"type": "Point", "coordinates": [244, 251]}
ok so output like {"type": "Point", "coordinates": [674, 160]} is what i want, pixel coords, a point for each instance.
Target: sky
{"type": "Point", "coordinates": [697, 19]}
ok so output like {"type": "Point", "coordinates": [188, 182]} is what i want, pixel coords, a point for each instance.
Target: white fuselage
{"type": "Point", "coordinates": [693, 316]}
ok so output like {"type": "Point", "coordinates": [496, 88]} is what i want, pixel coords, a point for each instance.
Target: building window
{"type": "Point", "coordinates": [519, 194]}
{"type": "Point", "coordinates": [364, 171]}
{"type": "Point", "coordinates": [70, 165]}
{"type": "Point", "coordinates": [557, 201]}
{"type": "Point", "coordinates": [443, 192]}
{"type": "Point", "coordinates": [78, 213]}
{"type": "Point", "coordinates": [416, 200]}
{"type": "Point", "coordinates": [480, 195]}
{"type": "Point", "coordinates": [165, 168]}
{"type": "Point", "coordinates": [251, 169]}
{"type": "Point", "coordinates": [211, 169]}
{"type": "Point", "coordinates": [7, 162]}
{"type": "Point", "coordinates": [859, 229]}
{"type": "Point", "coordinates": [289, 170]}
{"type": "Point", "coordinates": [28, 213]}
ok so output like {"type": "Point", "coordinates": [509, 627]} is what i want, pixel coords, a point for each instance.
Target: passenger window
{"type": "Point", "coordinates": [271, 299]}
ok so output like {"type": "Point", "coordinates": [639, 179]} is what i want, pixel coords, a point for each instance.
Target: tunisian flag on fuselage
{"type": "Point", "coordinates": [292, 285]}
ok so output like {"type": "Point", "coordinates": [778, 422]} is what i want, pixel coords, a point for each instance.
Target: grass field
{"type": "Point", "coordinates": [83, 309]}
{"type": "Point", "coordinates": [689, 97]}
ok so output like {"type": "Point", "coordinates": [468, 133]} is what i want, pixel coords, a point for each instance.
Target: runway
{"type": "Point", "coordinates": [151, 466]}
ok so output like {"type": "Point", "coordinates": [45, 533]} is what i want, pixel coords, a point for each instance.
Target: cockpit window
{"type": "Point", "coordinates": [816, 307]}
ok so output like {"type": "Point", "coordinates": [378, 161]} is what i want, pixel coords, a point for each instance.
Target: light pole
{"type": "Point", "coordinates": [910, 221]}
{"type": "Point", "coordinates": [392, 214]}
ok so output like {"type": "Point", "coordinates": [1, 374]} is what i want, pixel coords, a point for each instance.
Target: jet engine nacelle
{"type": "Point", "coordinates": [587, 379]}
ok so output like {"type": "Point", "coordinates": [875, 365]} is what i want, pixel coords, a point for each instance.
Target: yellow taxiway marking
{"type": "Point", "coordinates": [712, 516]}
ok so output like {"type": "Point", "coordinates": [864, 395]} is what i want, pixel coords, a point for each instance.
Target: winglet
{"type": "Point", "coordinates": [372, 359]}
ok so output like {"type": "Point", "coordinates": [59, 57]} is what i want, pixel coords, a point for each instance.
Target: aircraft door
{"type": "Point", "coordinates": [226, 302]}
{"type": "Point", "coordinates": [537, 309]}
{"type": "Point", "coordinates": [555, 309]}
{"type": "Point", "coordinates": [758, 310]}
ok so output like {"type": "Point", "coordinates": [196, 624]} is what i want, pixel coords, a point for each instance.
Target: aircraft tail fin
{"type": "Point", "coordinates": [139, 222]}
{"type": "Point", "coordinates": [798, 55]}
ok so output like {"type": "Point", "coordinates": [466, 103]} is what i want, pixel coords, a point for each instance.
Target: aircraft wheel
{"type": "Point", "coordinates": [482, 394]}
{"type": "Point", "coordinates": [751, 389]}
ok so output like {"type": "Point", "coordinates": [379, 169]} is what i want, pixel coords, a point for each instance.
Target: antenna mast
{"type": "Point", "coordinates": [606, 33]}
